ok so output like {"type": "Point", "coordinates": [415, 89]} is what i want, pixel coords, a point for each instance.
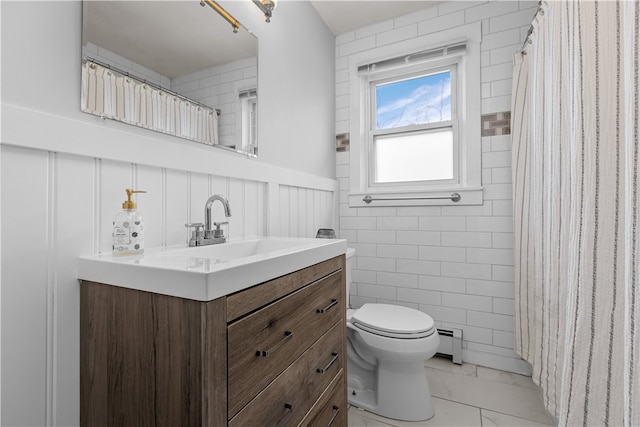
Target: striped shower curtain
{"type": "Point", "coordinates": [575, 126]}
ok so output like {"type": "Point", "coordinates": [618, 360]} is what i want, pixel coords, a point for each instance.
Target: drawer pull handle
{"type": "Point", "coordinates": [265, 353]}
{"type": "Point", "coordinates": [327, 308]}
{"type": "Point", "coordinates": [331, 362]}
{"type": "Point", "coordinates": [336, 411]}
{"type": "Point", "coordinates": [288, 407]}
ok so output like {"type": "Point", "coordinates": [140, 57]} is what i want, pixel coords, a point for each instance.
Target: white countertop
{"type": "Point", "coordinates": [205, 273]}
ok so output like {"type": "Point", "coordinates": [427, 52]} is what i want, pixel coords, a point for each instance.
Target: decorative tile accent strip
{"type": "Point", "coordinates": [342, 142]}
{"type": "Point", "coordinates": [496, 124]}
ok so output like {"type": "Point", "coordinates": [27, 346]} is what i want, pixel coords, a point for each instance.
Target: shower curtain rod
{"type": "Point", "coordinates": [153, 85]}
{"type": "Point", "coordinates": [527, 38]}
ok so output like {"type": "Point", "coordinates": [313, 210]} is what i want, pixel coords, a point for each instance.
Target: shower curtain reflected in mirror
{"type": "Point", "coordinates": [575, 125]}
{"type": "Point", "coordinates": [113, 95]}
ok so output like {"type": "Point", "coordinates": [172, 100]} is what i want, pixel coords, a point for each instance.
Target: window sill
{"type": "Point", "coordinates": [440, 197]}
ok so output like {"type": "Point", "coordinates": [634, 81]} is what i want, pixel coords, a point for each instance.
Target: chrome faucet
{"type": "Point", "coordinates": [207, 211]}
{"type": "Point", "coordinates": [203, 234]}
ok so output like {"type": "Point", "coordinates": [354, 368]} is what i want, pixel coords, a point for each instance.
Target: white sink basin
{"type": "Point", "coordinates": [242, 249]}
{"type": "Point", "coordinates": [208, 272]}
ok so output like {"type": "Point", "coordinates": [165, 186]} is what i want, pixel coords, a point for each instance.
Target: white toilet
{"type": "Point", "coordinates": [386, 349]}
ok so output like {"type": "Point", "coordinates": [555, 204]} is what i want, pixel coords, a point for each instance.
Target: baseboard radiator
{"type": "Point", "coordinates": [451, 344]}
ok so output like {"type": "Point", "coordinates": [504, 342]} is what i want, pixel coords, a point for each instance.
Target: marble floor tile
{"type": "Point", "coordinates": [359, 418]}
{"type": "Point", "coordinates": [448, 413]}
{"type": "Point", "coordinates": [496, 419]}
{"type": "Point", "coordinates": [470, 395]}
{"type": "Point", "coordinates": [483, 393]}
{"type": "Point", "coordinates": [445, 364]}
{"type": "Point", "coordinates": [506, 377]}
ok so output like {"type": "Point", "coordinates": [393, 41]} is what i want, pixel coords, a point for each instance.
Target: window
{"type": "Point", "coordinates": [249, 121]}
{"type": "Point", "coordinates": [415, 134]}
{"type": "Point", "coordinates": [412, 127]}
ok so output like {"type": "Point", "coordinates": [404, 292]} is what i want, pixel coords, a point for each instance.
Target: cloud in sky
{"type": "Point", "coordinates": [421, 100]}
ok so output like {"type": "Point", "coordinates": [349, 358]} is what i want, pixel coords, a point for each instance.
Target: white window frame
{"type": "Point", "coordinates": [467, 129]}
{"type": "Point", "coordinates": [375, 78]}
{"type": "Point", "coordinates": [247, 117]}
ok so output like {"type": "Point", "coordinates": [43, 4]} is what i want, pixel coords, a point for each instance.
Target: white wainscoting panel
{"type": "Point", "coordinates": [151, 179]}
{"type": "Point", "coordinates": [58, 206]}
{"type": "Point", "coordinates": [25, 304]}
{"type": "Point", "coordinates": [176, 206]}
{"type": "Point", "coordinates": [75, 222]}
{"type": "Point", "coordinates": [303, 211]}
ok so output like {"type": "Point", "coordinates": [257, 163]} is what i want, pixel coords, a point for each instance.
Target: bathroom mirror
{"type": "Point", "coordinates": [174, 67]}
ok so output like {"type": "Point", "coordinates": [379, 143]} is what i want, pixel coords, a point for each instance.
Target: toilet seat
{"type": "Point", "coordinates": [393, 321]}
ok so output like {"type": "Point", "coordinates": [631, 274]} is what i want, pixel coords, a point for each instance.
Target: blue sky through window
{"type": "Point", "coordinates": [420, 100]}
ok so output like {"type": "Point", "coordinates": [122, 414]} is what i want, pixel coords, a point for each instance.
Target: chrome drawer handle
{"type": "Point", "coordinates": [327, 308]}
{"type": "Point", "coordinates": [331, 362]}
{"type": "Point", "coordinates": [336, 411]}
{"type": "Point", "coordinates": [288, 407]}
{"type": "Point", "coordinates": [265, 353]}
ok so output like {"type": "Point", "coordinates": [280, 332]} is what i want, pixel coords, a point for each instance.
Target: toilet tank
{"type": "Point", "coordinates": [350, 259]}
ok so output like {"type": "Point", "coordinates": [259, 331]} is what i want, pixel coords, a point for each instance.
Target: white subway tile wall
{"type": "Point", "coordinates": [219, 86]}
{"type": "Point", "coordinates": [454, 263]}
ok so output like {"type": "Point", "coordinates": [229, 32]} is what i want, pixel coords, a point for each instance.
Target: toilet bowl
{"type": "Point", "coordinates": [386, 349]}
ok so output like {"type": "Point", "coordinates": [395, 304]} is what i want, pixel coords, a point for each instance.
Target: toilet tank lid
{"type": "Point", "coordinates": [393, 318]}
{"type": "Point", "coordinates": [350, 252]}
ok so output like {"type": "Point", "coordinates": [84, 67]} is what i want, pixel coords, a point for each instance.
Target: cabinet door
{"type": "Point", "coordinates": [149, 359]}
{"type": "Point", "coordinates": [263, 344]}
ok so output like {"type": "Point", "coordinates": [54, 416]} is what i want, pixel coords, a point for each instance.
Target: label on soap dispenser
{"type": "Point", "coordinates": [128, 237]}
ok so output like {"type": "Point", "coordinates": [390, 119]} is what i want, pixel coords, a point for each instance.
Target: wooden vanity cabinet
{"type": "Point", "coordinates": [330, 409]}
{"type": "Point", "coordinates": [272, 354]}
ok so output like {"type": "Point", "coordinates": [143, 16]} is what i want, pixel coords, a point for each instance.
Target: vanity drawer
{"type": "Point", "coordinates": [265, 343]}
{"type": "Point", "coordinates": [331, 409]}
{"type": "Point", "coordinates": [287, 399]}
{"type": "Point", "coordinates": [244, 302]}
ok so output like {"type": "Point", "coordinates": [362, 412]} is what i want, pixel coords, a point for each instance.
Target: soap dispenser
{"type": "Point", "coordinates": [128, 228]}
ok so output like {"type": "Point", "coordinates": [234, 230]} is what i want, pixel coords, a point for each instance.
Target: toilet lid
{"type": "Point", "coordinates": [393, 321]}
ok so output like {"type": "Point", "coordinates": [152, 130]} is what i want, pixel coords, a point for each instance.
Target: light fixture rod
{"type": "Point", "coordinates": [226, 15]}
{"type": "Point", "coordinates": [266, 6]}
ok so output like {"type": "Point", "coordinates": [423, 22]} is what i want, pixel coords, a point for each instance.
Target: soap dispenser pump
{"type": "Point", "coordinates": [128, 228]}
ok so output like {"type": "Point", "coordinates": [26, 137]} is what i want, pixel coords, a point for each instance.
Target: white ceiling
{"type": "Point", "coordinates": [346, 15]}
{"type": "Point", "coordinates": [146, 31]}
{"type": "Point", "coordinates": [154, 34]}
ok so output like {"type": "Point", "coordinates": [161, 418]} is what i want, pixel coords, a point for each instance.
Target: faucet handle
{"type": "Point", "coordinates": [219, 233]}
{"type": "Point", "coordinates": [197, 225]}
{"type": "Point", "coordinates": [197, 235]}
